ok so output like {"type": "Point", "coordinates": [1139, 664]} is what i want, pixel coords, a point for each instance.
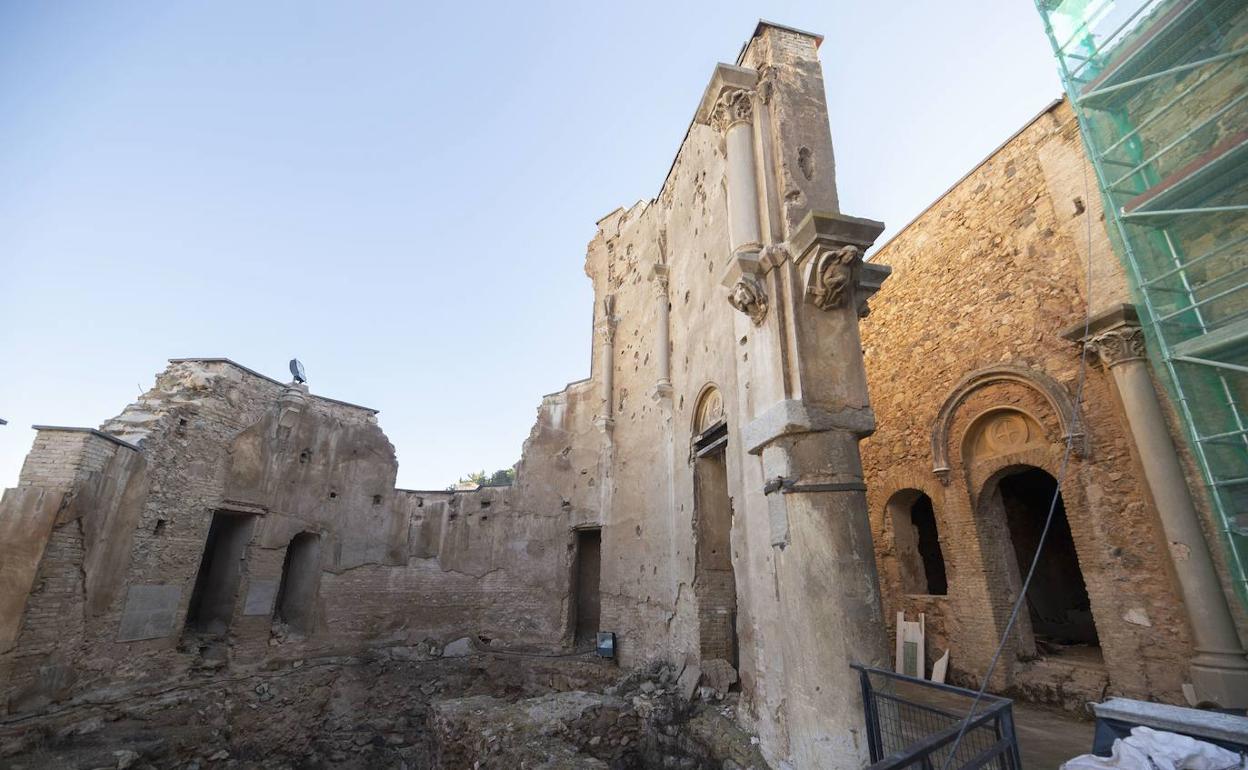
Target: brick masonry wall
{"type": "Point", "coordinates": [991, 275]}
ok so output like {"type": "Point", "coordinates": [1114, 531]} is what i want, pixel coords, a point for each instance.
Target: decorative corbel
{"type": "Point", "coordinates": [748, 296]}
{"type": "Point", "coordinates": [831, 276]}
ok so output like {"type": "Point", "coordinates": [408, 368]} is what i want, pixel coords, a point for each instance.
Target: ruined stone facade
{"type": "Point", "coordinates": [227, 521]}
{"type": "Point", "coordinates": [700, 494]}
{"type": "Point", "coordinates": [974, 363]}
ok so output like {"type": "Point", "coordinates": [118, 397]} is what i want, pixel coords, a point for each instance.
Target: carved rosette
{"type": "Point", "coordinates": [1118, 345]}
{"type": "Point", "coordinates": [735, 105]}
{"type": "Point", "coordinates": [830, 279]}
{"type": "Point", "coordinates": [750, 298]}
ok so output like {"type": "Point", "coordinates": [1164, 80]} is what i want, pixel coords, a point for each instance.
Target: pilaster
{"type": "Point", "coordinates": [1219, 668]}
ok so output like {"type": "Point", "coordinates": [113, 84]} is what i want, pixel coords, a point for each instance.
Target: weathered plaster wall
{"type": "Point", "coordinates": [673, 250]}
{"type": "Point", "coordinates": [613, 452]}
{"type": "Point", "coordinates": [991, 275]}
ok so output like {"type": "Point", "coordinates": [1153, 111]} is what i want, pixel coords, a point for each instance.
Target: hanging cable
{"type": "Point", "coordinates": [1057, 490]}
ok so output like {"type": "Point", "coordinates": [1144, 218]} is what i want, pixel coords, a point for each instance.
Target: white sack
{"type": "Point", "coordinates": [1149, 749]}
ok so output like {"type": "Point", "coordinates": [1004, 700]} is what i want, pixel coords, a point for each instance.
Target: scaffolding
{"type": "Point", "coordinates": [1160, 89]}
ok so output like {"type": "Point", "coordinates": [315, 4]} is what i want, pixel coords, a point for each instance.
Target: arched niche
{"type": "Point", "coordinates": [1059, 400]}
{"type": "Point", "coordinates": [710, 410]}
{"type": "Point", "coordinates": [300, 584]}
{"type": "Point", "coordinates": [919, 557]}
{"type": "Point", "coordinates": [710, 426]}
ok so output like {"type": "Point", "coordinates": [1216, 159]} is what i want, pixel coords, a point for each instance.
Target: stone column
{"type": "Point", "coordinates": [733, 117]}
{"type": "Point", "coordinates": [728, 107]}
{"type": "Point", "coordinates": [663, 339]}
{"type": "Point", "coordinates": [1219, 668]}
{"type": "Point", "coordinates": [606, 329]}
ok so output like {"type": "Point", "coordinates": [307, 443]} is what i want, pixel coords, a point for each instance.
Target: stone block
{"type": "Point", "coordinates": [719, 675]}
{"type": "Point", "coordinates": [151, 612]}
{"type": "Point", "coordinates": [260, 596]}
{"type": "Point", "coordinates": [688, 682]}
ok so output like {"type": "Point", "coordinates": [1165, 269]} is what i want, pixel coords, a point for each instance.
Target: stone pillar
{"type": "Point", "coordinates": [802, 408]}
{"type": "Point", "coordinates": [662, 341]}
{"type": "Point", "coordinates": [1219, 668]}
{"type": "Point", "coordinates": [816, 499]}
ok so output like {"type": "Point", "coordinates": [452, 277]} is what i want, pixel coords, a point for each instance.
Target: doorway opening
{"type": "Point", "coordinates": [220, 569]}
{"type": "Point", "coordinates": [1059, 610]}
{"type": "Point", "coordinates": [586, 583]}
{"type": "Point", "coordinates": [296, 594]}
{"type": "Point", "coordinates": [714, 581]}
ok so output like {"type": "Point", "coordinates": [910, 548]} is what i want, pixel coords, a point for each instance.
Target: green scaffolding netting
{"type": "Point", "coordinates": [1160, 89]}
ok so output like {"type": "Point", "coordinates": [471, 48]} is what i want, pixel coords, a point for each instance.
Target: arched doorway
{"type": "Point", "coordinates": [916, 543]}
{"type": "Point", "coordinates": [1059, 612]}
{"type": "Point", "coordinates": [301, 573]}
{"type": "Point", "coordinates": [714, 582]}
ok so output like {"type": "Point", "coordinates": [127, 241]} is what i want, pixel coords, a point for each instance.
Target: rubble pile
{"type": "Point", "coordinates": [403, 708]}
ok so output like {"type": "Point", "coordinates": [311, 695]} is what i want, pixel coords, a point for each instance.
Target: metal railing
{"type": "Point", "coordinates": [914, 723]}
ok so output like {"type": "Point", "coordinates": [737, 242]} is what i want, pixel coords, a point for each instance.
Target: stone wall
{"type": "Point", "coordinates": [965, 339]}
{"type": "Point", "coordinates": [714, 447]}
{"type": "Point", "coordinates": [739, 285]}
{"type": "Point", "coordinates": [109, 528]}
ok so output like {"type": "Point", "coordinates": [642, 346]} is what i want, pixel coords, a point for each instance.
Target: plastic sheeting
{"type": "Point", "coordinates": [1149, 749]}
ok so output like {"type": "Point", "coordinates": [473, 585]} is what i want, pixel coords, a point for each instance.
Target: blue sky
{"type": "Point", "coordinates": [401, 195]}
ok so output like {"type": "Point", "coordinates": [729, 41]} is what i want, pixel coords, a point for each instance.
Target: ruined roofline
{"type": "Point", "coordinates": [92, 431]}
{"type": "Point", "coordinates": [758, 30]}
{"type": "Point", "coordinates": [1048, 109]}
{"type": "Point", "coordinates": [566, 387]}
{"type": "Point", "coordinates": [254, 373]}
{"type": "Point", "coordinates": [424, 491]}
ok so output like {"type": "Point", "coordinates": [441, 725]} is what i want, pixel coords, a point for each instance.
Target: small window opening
{"type": "Point", "coordinates": [920, 562]}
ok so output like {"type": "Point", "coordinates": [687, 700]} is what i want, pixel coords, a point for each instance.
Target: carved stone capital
{"type": "Point", "coordinates": [749, 296]}
{"type": "Point", "coordinates": [1117, 346]}
{"type": "Point", "coordinates": [735, 105]}
{"type": "Point", "coordinates": [831, 276]}
{"type": "Point", "coordinates": [1111, 337]}
{"type": "Point", "coordinates": [727, 98]}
